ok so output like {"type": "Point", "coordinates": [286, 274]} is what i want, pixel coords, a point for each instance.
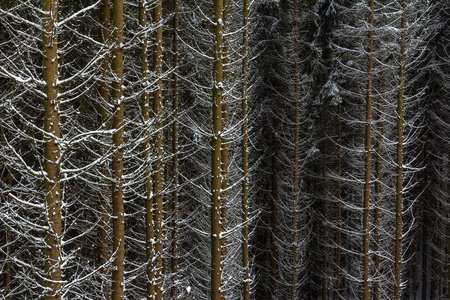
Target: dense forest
{"type": "Point", "coordinates": [225, 149]}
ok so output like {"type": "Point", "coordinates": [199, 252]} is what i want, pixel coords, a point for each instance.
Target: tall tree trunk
{"type": "Point", "coordinates": [158, 144]}
{"type": "Point", "coordinates": [324, 207]}
{"type": "Point", "coordinates": [447, 284]}
{"type": "Point", "coordinates": [293, 294]}
{"type": "Point", "coordinates": [425, 222]}
{"type": "Point", "coordinates": [368, 154]}
{"type": "Point", "coordinates": [145, 110]}
{"type": "Point", "coordinates": [117, 161]}
{"type": "Point", "coordinates": [399, 161]}
{"type": "Point", "coordinates": [216, 253]}
{"type": "Point", "coordinates": [274, 206]}
{"type": "Point", "coordinates": [337, 289]}
{"type": "Point", "coordinates": [245, 183]}
{"type": "Point", "coordinates": [52, 152]}
{"type": "Point", "coordinates": [175, 251]}
{"type": "Point", "coordinates": [103, 251]}
{"type": "Point", "coordinates": [224, 150]}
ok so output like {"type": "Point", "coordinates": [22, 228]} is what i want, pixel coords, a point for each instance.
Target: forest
{"type": "Point", "coordinates": [225, 149]}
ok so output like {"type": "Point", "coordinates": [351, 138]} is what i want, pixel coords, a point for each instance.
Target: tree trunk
{"type": "Point", "coordinates": [224, 152]}
{"type": "Point", "coordinates": [293, 294]}
{"type": "Point", "coordinates": [324, 209]}
{"type": "Point", "coordinates": [117, 162]}
{"type": "Point", "coordinates": [337, 292]}
{"type": "Point", "coordinates": [368, 153]}
{"type": "Point", "coordinates": [245, 254]}
{"type": "Point", "coordinates": [52, 151]}
{"type": "Point", "coordinates": [158, 144]}
{"type": "Point", "coordinates": [174, 262]}
{"type": "Point", "coordinates": [399, 161]}
{"type": "Point", "coordinates": [425, 209]}
{"type": "Point", "coordinates": [274, 208]}
{"type": "Point", "coordinates": [216, 253]}
{"type": "Point", "coordinates": [145, 110]}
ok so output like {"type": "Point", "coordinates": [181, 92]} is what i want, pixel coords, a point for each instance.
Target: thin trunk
{"type": "Point", "coordinates": [175, 251]}
{"type": "Point", "coordinates": [216, 253]}
{"type": "Point", "coordinates": [425, 222]}
{"type": "Point", "coordinates": [103, 251]}
{"type": "Point", "coordinates": [324, 215]}
{"type": "Point", "coordinates": [274, 208]}
{"type": "Point", "coordinates": [224, 151]}
{"type": "Point", "coordinates": [293, 294]}
{"type": "Point", "coordinates": [52, 151]}
{"type": "Point", "coordinates": [448, 262]}
{"type": "Point", "coordinates": [367, 161]}
{"type": "Point", "coordinates": [245, 256]}
{"type": "Point", "coordinates": [158, 145]}
{"type": "Point", "coordinates": [399, 161]}
{"type": "Point", "coordinates": [145, 110]}
{"type": "Point", "coordinates": [339, 210]}
{"type": "Point", "coordinates": [117, 162]}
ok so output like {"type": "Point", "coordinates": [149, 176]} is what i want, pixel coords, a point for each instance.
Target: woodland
{"type": "Point", "coordinates": [225, 149]}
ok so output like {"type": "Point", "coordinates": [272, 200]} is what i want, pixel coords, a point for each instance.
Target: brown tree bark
{"type": "Point", "coordinates": [399, 160]}
{"type": "Point", "coordinates": [216, 273]}
{"type": "Point", "coordinates": [117, 161]}
{"type": "Point", "coordinates": [224, 151]}
{"type": "Point", "coordinates": [368, 154]}
{"type": "Point", "coordinates": [52, 152]}
{"type": "Point", "coordinates": [245, 183]}
{"type": "Point", "coordinates": [158, 145]}
{"type": "Point", "coordinates": [145, 110]}
{"type": "Point", "coordinates": [175, 251]}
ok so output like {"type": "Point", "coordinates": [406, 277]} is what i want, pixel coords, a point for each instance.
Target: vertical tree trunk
{"type": "Point", "coordinates": [52, 151]}
{"type": "Point", "coordinates": [293, 294]}
{"type": "Point", "coordinates": [103, 251]}
{"type": "Point", "coordinates": [245, 254]}
{"type": "Point", "coordinates": [158, 144]}
{"type": "Point", "coordinates": [117, 162]}
{"type": "Point", "coordinates": [368, 154]}
{"type": "Point", "coordinates": [145, 110]}
{"type": "Point", "coordinates": [399, 161]}
{"type": "Point", "coordinates": [175, 251]}
{"type": "Point", "coordinates": [425, 209]}
{"type": "Point", "coordinates": [216, 253]}
{"type": "Point", "coordinates": [224, 151]}
{"type": "Point", "coordinates": [274, 208]}
{"type": "Point", "coordinates": [447, 284]}
{"type": "Point", "coordinates": [324, 213]}
{"type": "Point", "coordinates": [337, 288]}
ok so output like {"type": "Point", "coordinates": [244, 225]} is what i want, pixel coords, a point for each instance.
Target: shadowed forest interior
{"type": "Point", "coordinates": [225, 149]}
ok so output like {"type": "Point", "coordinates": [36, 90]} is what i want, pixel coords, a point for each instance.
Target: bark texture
{"type": "Point", "coordinates": [117, 162]}
{"type": "Point", "coordinates": [52, 152]}
{"type": "Point", "coordinates": [216, 253]}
